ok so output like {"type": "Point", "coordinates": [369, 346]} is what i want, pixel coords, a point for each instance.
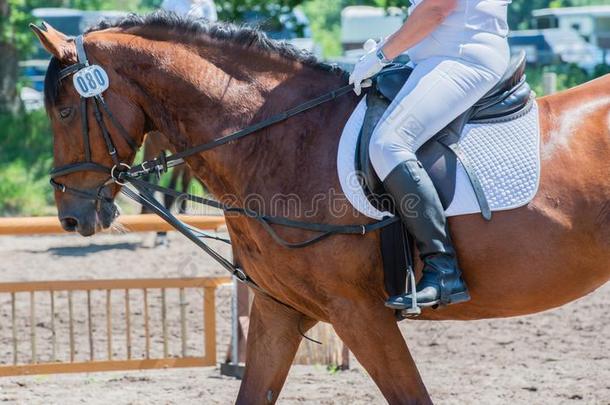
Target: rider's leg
{"type": "Point", "coordinates": [438, 91]}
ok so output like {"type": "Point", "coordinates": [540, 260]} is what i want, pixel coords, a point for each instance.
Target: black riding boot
{"type": "Point", "coordinates": [420, 208]}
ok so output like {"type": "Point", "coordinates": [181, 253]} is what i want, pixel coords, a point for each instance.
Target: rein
{"type": "Point", "coordinates": [137, 170]}
{"type": "Point", "coordinates": [325, 230]}
{"type": "Point", "coordinates": [122, 174]}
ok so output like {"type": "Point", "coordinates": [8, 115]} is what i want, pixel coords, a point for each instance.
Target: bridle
{"type": "Point", "coordinates": [99, 108]}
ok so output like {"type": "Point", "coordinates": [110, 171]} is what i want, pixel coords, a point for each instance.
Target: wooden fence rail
{"type": "Point", "coordinates": [131, 223]}
{"type": "Point", "coordinates": [333, 352]}
{"type": "Point", "coordinates": [127, 288]}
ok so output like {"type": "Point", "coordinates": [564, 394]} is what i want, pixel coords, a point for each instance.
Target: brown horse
{"type": "Point", "coordinates": [199, 82]}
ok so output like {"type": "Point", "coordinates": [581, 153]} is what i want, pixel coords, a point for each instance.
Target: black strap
{"type": "Point", "coordinates": [67, 71]}
{"type": "Point", "coordinates": [145, 198]}
{"type": "Point", "coordinates": [78, 167]}
{"type": "Point", "coordinates": [81, 193]}
{"type": "Point", "coordinates": [140, 169]}
{"type": "Point", "coordinates": [117, 125]}
{"type": "Point", "coordinates": [473, 177]}
{"type": "Point", "coordinates": [325, 230]}
{"type": "Point", "coordinates": [107, 139]}
{"type": "Point", "coordinates": [85, 128]}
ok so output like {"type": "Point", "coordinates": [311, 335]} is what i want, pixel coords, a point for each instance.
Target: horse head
{"type": "Point", "coordinates": [95, 135]}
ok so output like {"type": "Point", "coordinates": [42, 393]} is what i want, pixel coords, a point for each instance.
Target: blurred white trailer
{"type": "Point", "coordinates": [359, 23]}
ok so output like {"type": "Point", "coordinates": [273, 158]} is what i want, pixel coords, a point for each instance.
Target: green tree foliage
{"type": "Point", "coordinates": [14, 25]}
{"type": "Point", "coordinates": [147, 5]}
{"type": "Point", "coordinates": [26, 153]}
{"type": "Point", "coordinates": [12, 44]}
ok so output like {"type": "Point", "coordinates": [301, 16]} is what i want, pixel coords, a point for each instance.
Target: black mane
{"type": "Point", "coordinates": [245, 36]}
{"type": "Point", "coordinates": [223, 31]}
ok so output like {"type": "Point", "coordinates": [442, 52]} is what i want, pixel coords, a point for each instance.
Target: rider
{"type": "Point", "coordinates": [459, 51]}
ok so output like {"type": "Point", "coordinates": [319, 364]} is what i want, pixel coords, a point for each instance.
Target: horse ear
{"type": "Point", "coordinates": [56, 43]}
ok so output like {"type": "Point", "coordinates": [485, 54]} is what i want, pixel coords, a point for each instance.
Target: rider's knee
{"type": "Point", "coordinates": [378, 148]}
{"type": "Point", "coordinates": [386, 151]}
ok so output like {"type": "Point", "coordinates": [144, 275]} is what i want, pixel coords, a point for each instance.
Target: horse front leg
{"type": "Point", "coordinates": [370, 331]}
{"type": "Point", "coordinates": [273, 340]}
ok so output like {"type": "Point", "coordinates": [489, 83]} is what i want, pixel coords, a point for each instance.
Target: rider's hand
{"type": "Point", "coordinates": [368, 66]}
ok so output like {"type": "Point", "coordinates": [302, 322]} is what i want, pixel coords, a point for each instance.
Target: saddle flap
{"type": "Point", "coordinates": [370, 182]}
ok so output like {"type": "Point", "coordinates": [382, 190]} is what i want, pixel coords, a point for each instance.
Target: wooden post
{"type": "Point", "coordinates": [33, 325]}
{"type": "Point", "coordinates": [127, 324]}
{"type": "Point", "coordinates": [209, 313]}
{"type": "Point", "coordinates": [109, 324]}
{"type": "Point", "coordinates": [71, 325]}
{"type": "Point", "coordinates": [183, 336]}
{"type": "Point", "coordinates": [332, 352]}
{"type": "Point", "coordinates": [164, 323]}
{"type": "Point", "coordinates": [146, 327]}
{"type": "Point", "coordinates": [53, 332]}
{"type": "Point", "coordinates": [90, 327]}
{"type": "Point", "coordinates": [14, 323]}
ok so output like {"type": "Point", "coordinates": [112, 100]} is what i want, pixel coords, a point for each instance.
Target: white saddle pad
{"type": "Point", "coordinates": [505, 156]}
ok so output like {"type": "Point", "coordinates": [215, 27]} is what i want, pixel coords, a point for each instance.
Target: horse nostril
{"type": "Point", "coordinates": [69, 223]}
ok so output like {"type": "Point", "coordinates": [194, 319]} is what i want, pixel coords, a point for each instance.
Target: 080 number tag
{"type": "Point", "coordinates": [91, 81]}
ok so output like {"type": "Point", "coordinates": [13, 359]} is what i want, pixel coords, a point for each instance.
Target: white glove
{"type": "Point", "coordinates": [368, 66]}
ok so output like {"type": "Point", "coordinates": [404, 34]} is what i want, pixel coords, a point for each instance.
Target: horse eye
{"type": "Point", "coordinates": [65, 112]}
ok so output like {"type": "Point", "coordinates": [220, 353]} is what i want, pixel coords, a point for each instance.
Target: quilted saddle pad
{"type": "Point", "coordinates": [504, 155]}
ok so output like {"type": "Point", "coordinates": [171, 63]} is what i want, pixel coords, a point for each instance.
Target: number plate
{"type": "Point", "coordinates": [91, 81]}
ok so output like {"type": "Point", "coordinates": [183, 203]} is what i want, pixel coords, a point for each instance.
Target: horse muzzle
{"type": "Point", "coordinates": [87, 217]}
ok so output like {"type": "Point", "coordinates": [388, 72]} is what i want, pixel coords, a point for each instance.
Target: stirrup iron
{"type": "Point", "coordinates": [414, 310]}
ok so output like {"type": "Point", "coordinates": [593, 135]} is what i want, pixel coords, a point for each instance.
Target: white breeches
{"type": "Point", "coordinates": [442, 86]}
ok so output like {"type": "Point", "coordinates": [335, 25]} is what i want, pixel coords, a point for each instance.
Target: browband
{"type": "Point", "coordinates": [82, 59]}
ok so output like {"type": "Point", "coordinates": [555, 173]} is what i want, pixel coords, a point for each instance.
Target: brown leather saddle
{"type": "Point", "coordinates": [509, 99]}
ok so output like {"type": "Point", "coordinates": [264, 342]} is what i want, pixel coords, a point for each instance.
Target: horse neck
{"type": "Point", "coordinates": [212, 91]}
